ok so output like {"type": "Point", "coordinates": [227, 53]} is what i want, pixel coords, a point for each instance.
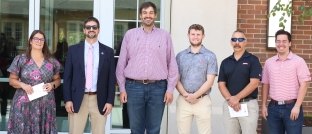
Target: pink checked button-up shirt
{"type": "Point", "coordinates": [147, 56]}
{"type": "Point", "coordinates": [285, 76]}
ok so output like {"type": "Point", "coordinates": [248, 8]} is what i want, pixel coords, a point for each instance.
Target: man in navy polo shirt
{"type": "Point", "coordinates": [238, 82]}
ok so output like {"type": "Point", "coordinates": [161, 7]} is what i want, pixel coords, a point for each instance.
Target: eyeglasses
{"type": "Point", "coordinates": [238, 39]}
{"type": "Point", "coordinates": [38, 39]}
{"type": "Point", "coordinates": [94, 27]}
{"type": "Point", "coordinates": [279, 41]}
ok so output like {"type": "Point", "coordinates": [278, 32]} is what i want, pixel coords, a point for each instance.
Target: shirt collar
{"type": "Point", "coordinates": [153, 29]}
{"type": "Point", "coordinates": [246, 54]}
{"type": "Point", "coordinates": [95, 45]}
{"type": "Point", "coordinates": [201, 50]}
{"type": "Point", "coordinates": [289, 56]}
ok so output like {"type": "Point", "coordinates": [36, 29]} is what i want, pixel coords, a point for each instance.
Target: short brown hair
{"type": "Point", "coordinates": [146, 5]}
{"type": "Point", "coordinates": [91, 19]}
{"type": "Point", "coordinates": [196, 27]}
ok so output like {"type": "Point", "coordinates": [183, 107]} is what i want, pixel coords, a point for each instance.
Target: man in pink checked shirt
{"type": "Point", "coordinates": [147, 72]}
{"type": "Point", "coordinates": [285, 79]}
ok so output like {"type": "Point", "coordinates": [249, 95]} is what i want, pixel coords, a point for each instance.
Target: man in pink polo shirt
{"type": "Point", "coordinates": [285, 78]}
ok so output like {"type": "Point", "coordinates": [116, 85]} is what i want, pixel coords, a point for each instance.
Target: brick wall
{"type": "Point", "coordinates": [252, 19]}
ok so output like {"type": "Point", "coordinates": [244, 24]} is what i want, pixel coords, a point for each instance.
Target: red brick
{"type": "Point", "coordinates": [248, 7]}
{"type": "Point", "coordinates": [302, 37]}
{"type": "Point", "coordinates": [306, 22]}
{"type": "Point", "coordinates": [245, 26]}
{"type": "Point", "coordinates": [296, 32]}
{"type": "Point", "coordinates": [308, 32]}
{"type": "Point", "coordinates": [249, 16]}
{"type": "Point", "coordinates": [305, 27]}
{"type": "Point", "coordinates": [307, 42]}
{"type": "Point", "coordinates": [253, 31]}
{"type": "Point", "coordinates": [254, 12]}
{"type": "Point", "coordinates": [261, 7]}
{"type": "Point", "coordinates": [254, 21]}
{"type": "Point", "coordinates": [261, 26]}
{"type": "Point", "coordinates": [255, 2]}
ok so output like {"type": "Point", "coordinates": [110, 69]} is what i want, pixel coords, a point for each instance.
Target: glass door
{"type": "Point", "coordinates": [14, 18]}
{"type": "Point", "coordinates": [61, 21]}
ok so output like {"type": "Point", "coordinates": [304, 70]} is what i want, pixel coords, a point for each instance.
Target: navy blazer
{"type": "Point", "coordinates": [75, 79]}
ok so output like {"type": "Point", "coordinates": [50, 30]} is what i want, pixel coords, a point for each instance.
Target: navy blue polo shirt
{"type": "Point", "coordinates": [237, 74]}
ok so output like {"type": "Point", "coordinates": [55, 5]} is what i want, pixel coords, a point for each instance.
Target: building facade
{"type": "Point", "coordinates": [61, 21]}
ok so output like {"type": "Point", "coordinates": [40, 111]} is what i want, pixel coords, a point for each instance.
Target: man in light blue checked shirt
{"type": "Point", "coordinates": [197, 71]}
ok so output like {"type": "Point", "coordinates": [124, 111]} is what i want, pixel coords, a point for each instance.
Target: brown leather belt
{"type": "Point", "coordinates": [283, 102]}
{"type": "Point", "coordinates": [90, 93]}
{"type": "Point", "coordinates": [143, 81]}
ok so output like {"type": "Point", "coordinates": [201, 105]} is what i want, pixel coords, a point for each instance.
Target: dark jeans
{"type": "Point", "coordinates": [279, 119]}
{"type": "Point", "coordinates": [145, 106]}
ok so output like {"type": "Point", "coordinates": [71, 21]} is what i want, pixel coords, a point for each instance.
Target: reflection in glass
{"type": "Point", "coordinates": [126, 9]}
{"type": "Point", "coordinates": [62, 22]}
{"type": "Point", "coordinates": [13, 39]}
{"type": "Point", "coordinates": [13, 31]}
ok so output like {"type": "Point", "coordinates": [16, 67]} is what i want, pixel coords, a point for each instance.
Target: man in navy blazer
{"type": "Point", "coordinates": [95, 99]}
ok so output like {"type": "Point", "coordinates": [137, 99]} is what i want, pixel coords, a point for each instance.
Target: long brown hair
{"type": "Point", "coordinates": [45, 50]}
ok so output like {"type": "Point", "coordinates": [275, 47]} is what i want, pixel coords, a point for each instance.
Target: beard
{"type": "Point", "coordinates": [197, 44]}
{"type": "Point", "coordinates": [148, 23]}
{"type": "Point", "coordinates": [90, 35]}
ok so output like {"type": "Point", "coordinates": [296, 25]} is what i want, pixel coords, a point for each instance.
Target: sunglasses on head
{"type": "Point", "coordinates": [238, 39]}
{"type": "Point", "coordinates": [94, 27]}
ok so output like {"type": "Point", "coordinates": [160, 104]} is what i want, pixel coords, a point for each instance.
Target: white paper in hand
{"type": "Point", "coordinates": [241, 113]}
{"type": "Point", "coordinates": [38, 92]}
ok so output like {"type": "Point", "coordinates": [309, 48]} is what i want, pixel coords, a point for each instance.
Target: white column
{"type": "Point", "coordinates": [104, 11]}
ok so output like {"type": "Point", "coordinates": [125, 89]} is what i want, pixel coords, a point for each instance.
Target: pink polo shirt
{"type": "Point", "coordinates": [284, 77]}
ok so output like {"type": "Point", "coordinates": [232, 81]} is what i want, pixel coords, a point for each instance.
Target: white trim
{"type": "Point", "coordinates": [31, 20]}
{"type": "Point", "coordinates": [37, 14]}
{"type": "Point", "coordinates": [34, 16]}
{"type": "Point", "coordinates": [104, 11]}
{"type": "Point", "coordinates": [4, 79]}
{"type": "Point", "coordinates": [162, 16]}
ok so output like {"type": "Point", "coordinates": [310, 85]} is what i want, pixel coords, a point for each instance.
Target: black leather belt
{"type": "Point", "coordinates": [90, 93]}
{"type": "Point", "coordinates": [246, 99]}
{"type": "Point", "coordinates": [203, 95]}
{"type": "Point", "coordinates": [275, 102]}
{"type": "Point", "coordinates": [144, 81]}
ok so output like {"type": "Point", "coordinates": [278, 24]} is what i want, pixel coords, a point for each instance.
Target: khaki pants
{"type": "Point", "coordinates": [242, 125]}
{"type": "Point", "coordinates": [200, 111]}
{"type": "Point", "coordinates": [77, 121]}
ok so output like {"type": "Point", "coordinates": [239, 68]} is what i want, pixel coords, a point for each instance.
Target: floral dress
{"type": "Point", "coordinates": [37, 116]}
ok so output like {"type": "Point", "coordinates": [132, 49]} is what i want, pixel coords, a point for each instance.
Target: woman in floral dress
{"type": "Point", "coordinates": [31, 68]}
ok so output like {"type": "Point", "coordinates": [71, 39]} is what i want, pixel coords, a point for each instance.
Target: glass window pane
{"type": "Point", "coordinates": [119, 30]}
{"type": "Point", "coordinates": [61, 21]}
{"type": "Point", "coordinates": [13, 30]}
{"type": "Point", "coordinates": [13, 39]}
{"type": "Point", "coordinates": [126, 9]}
